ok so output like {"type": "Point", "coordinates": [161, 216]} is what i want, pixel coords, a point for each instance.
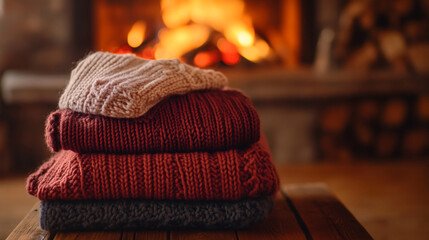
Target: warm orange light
{"type": "Point", "coordinates": [205, 59]}
{"type": "Point", "coordinates": [148, 53]}
{"type": "Point", "coordinates": [291, 24]}
{"type": "Point", "coordinates": [229, 52]}
{"type": "Point", "coordinates": [241, 33]}
{"type": "Point", "coordinates": [188, 26]}
{"type": "Point", "coordinates": [225, 46]}
{"type": "Point", "coordinates": [231, 59]}
{"type": "Point", "coordinates": [215, 13]}
{"type": "Point", "coordinates": [122, 50]}
{"type": "Point", "coordinates": [136, 34]}
{"type": "Point", "coordinates": [175, 15]}
{"type": "Point", "coordinates": [176, 42]}
{"type": "Point", "coordinates": [259, 51]}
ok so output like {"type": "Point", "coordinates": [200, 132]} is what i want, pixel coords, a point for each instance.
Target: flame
{"type": "Point", "coordinates": [241, 33]}
{"type": "Point", "coordinates": [137, 34]}
{"type": "Point", "coordinates": [215, 13]}
{"type": "Point", "coordinates": [176, 42]}
{"type": "Point", "coordinates": [188, 25]}
{"type": "Point", "coordinates": [175, 16]}
{"type": "Point", "coordinates": [255, 53]}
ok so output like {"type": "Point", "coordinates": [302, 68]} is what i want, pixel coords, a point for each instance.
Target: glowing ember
{"type": "Point", "coordinates": [205, 59]}
{"type": "Point", "coordinates": [229, 52]}
{"type": "Point", "coordinates": [122, 50]}
{"type": "Point", "coordinates": [148, 53]}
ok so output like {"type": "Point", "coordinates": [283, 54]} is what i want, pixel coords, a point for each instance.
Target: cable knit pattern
{"type": "Point", "coordinates": [227, 175]}
{"type": "Point", "coordinates": [198, 121]}
{"type": "Point", "coordinates": [126, 86]}
{"type": "Point", "coordinates": [150, 214]}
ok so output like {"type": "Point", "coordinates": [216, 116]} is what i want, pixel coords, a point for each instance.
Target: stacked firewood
{"type": "Point", "coordinates": [384, 34]}
{"type": "Point", "coordinates": [374, 128]}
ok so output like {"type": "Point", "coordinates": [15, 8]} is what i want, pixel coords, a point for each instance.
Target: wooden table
{"type": "Point", "coordinates": [301, 211]}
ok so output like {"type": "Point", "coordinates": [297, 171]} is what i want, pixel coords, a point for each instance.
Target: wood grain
{"type": "Point", "coordinates": [304, 211]}
{"type": "Point", "coordinates": [128, 235]}
{"type": "Point", "coordinates": [67, 236]}
{"type": "Point", "coordinates": [28, 228]}
{"type": "Point", "coordinates": [323, 215]}
{"type": "Point", "coordinates": [88, 236]}
{"type": "Point", "coordinates": [151, 235]}
{"type": "Point", "coordinates": [281, 224]}
{"type": "Point", "coordinates": [98, 236]}
{"type": "Point", "coordinates": [203, 235]}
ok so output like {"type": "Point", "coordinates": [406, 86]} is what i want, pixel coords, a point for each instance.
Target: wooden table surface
{"type": "Point", "coordinates": [389, 199]}
{"type": "Point", "coordinates": [301, 211]}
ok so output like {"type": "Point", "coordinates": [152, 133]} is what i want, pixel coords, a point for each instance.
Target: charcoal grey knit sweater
{"type": "Point", "coordinates": [149, 214]}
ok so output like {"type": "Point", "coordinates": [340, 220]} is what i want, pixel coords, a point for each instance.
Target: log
{"type": "Point", "coordinates": [394, 113]}
{"type": "Point", "coordinates": [419, 57]}
{"type": "Point", "coordinates": [334, 118]}
{"type": "Point", "coordinates": [367, 110]}
{"type": "Point", "coordinates": [364, 134]}
{"type": "Point", "coordinates": [423, 108]}
{"type": "Point", "coordinates": [386, 144]}
{"type": "Point", "coordinates": [415, 141]}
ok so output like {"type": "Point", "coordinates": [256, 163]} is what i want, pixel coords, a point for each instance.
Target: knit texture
{"type": "Point", "coordinates": [126, 86]}
{"type": "Point", "coordinates": [150, 214]}
{"type": "Point", "coordinates": [198, 121]}
{"type": "Point", "coordinates": [226, 175]}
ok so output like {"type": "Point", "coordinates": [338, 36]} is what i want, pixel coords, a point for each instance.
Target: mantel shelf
{"type": "Point", "coordinates": [259, 84]}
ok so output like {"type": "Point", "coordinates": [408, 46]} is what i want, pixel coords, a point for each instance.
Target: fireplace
{"type": "Point", "coordinates": [215, 33]}
{"type": "Point", "coordinates": [211, 33]}
{"type": "Point", "coordinates": [329, 78]}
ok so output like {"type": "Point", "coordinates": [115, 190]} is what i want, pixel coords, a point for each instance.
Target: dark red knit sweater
{"type": "Point", "coordinates": [227, 175]}
{"type": "Point", "coordinates": [198, 121]}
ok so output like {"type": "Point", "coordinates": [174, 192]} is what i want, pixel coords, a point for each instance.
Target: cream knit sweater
{"type": "Point", "coordinates": [125, 86]}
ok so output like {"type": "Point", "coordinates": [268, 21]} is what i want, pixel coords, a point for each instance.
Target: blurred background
{"type": "Point", "coordinates": [334, 81]}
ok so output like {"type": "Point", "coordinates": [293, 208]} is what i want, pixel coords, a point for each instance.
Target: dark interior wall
{"type": "Point", "coordinates": [309, 31]}
{"type": "Point", "coordinates": [82, 27]}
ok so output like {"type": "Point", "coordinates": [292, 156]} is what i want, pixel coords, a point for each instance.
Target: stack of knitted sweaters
{"type": "Point", "coordinates": [153, 144]}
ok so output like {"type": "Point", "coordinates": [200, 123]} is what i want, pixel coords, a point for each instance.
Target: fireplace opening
{"type": "Point", "coordinates": [205, 33]}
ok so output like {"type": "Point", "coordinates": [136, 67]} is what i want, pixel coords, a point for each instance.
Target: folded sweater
{"type": "Point", "coordinates": [126, 86]}
{"type": "Point", "coordinates": [198, 121]}
{"type": "Point", "coordinates": [225, 175]}
{"type": "Point", "coordinates": [152, 214]}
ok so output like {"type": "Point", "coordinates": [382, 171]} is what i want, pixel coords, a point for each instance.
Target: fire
{"type": "Point", "coordinates": [173, 43]}
{"type": "Point", "coordinates": [260, 50]}
{"type": "Point", "coordinates": [137, 34]}
{"type": "Point", "coordinates": [214, 13]}
{"type": "Point", "coordinates": [205, 59]}
{"type": "Point", "coordinates": [229, 52]}
{"type": "Point", "coordinates": [240, 32]}
{"type": "Point", "coordinates": [189, 25]}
